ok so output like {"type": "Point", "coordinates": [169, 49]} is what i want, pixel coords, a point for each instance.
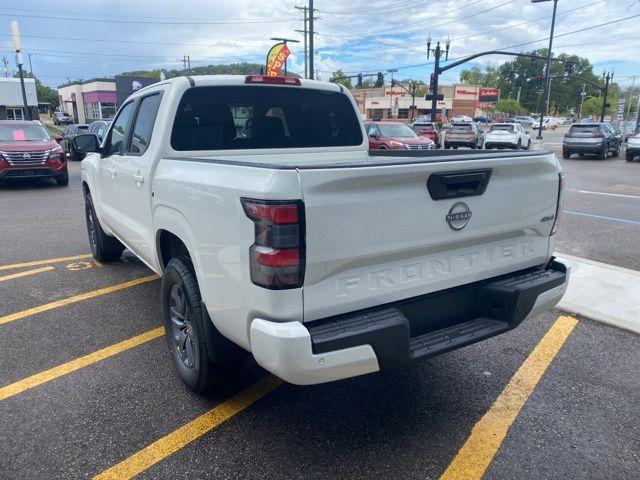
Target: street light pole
{"type": "Point", "coordinates": [546, 80]}
{"type": "Point", "coordinates": [607, 80]}
{"type": "Point", "coordinates": [437, 52]}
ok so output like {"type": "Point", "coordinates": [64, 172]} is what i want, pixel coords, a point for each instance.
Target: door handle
{"type": "Point", "coordinates": [139, 179]}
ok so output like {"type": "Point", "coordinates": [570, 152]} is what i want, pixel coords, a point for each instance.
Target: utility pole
{"type": "Point", "coordinates": [305, 33]}
{"type": "Point", "coordinates": [186, 62]}
{"type": "Point", "coordinates": [30, 66]}
{"type": "Point", "coordinates": [17, 47]}
{"type": "Point", "coordinates": [607, 80]}
{"type": "Point", "coordinates": [583, 94]}
{"type": "Point", "coordinates": [437, 52]}
{"type": "Point", "coordinates": [633, 85]}
{"type": "Point", "coordinates": [548, 72]}
{"type": "Point", "coordinates": [5, 68]}
{"type": "Point", "coordinates": [311, 30]}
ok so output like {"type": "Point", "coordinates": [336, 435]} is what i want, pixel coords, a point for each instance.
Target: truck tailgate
{"type": "Point", "coordinates": [374, 234]}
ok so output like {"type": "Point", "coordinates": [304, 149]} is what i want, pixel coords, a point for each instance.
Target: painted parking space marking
{"type": "Point", "coordinates": [52, 373]}
{"type": "Point", "coordinates": [487, 435]}
{"type": "Point", "coordinates": [174, 441]}
{"type": "Point", "coordinates": [47, 261]}
{"type": "Point", "coordinates": [610, 194]}
{"type": "Point", "coordinates": [26, 273]}
{"type": "Point", "coordinates": [602, 217]}
{"type": "Point", "coordinates": [76, 298]}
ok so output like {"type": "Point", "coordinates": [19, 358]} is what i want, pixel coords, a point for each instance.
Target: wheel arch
{"type": "Point", "coordinates": [173, 237]}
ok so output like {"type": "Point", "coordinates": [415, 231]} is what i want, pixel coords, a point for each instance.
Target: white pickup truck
{"type": "Point", "coordinates": [277, 232]}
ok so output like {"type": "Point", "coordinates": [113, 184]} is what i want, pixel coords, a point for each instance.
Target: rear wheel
{"type": "Point", "coordinates": [74, 155]}
{"type": "Point", "coordinates": [629, 156]}
{"type": "Point", "coordinates": [186, 330]}
{"type": "Point", "coordinates": [529, 145]}
{"type": "Point", "coordinates": [103, 247]}
{"type": "Point", "coordinates": [603, 153]}
{"type": "Point", "coordinates": [519, 145]}
{"type": "Point", "coordinates": [615, 153]}
{"type": "Point", "coordinates": [566, 155]}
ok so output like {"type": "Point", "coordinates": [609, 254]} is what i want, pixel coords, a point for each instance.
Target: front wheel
{"type": "Point", "coordinates": [529, 145]}
{"type": "Point", "coordinates": [615, 153]}
{"type": "Point", "coordinates": [63, 180]}
{"type": "Point", "coordinates": [629, 156]}
{"type": "Point", "coordinates": [603, 153]}
{"type": "Point", "coordinates": [103, 247]}
{"type": "Point", "coordinates": [185, 330]}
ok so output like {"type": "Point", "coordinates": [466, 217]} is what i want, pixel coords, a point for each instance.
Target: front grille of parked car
{"type": "Point", "coordinates": [38, 157]}
{"type": "Point", "coordinates": [421, 147]}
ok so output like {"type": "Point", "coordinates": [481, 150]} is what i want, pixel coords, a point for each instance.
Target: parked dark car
{"type": "Point", "coordinates": [591, 139]}
{"type": "Point", "coordinates": [463, 135]}
{"type": "Point", "coordinates": [482, 119]}
{"type": "Point", "coordinates": [68, 135]}
{"type": "Point", "coordinates": [99, 129]}
{"type": "Point", "coordinates": [429, 130]}
{"type": "Point", "coordinates": [62, 118]}
{"type": "Point", "coordinates": [394, 136]}
{"type": "Point", "coordinates": [28, 151]}
{"type": "Point", "coordinates": [633, 145]}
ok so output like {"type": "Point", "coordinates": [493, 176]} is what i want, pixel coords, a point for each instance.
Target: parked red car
{"type": "Point", "coordinates": [394, 136]}
{"type": "Point", "coordinates": [429, 130]}
{"type": "Point", "coordinates": [28, 151]}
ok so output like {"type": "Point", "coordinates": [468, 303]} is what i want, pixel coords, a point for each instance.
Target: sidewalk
{"type": "Point", "coordinates": [605, 293]}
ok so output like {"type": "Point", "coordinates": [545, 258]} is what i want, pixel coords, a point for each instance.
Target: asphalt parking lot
{"type": "Point", "coordinates": [87, 388]}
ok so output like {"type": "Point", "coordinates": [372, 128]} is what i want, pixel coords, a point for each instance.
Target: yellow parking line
{"type": "Point", "coordinates": [189, 432]}
{"type": "Point", "coordinates": [25, 273]}
{"type": "Point", "coordinates": [78, 363]}
{"type": "Point", "coordinates": [75, 298]}
{"type": "Point", "coordinates": [476, 454]}
{"type": "Point", "coordinates": [43, 262]}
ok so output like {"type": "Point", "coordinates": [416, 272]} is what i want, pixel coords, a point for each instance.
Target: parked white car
{"type": "Point", "coordinates": [276, 231]}
{"type": "Point", "coordinates": [507, 135]}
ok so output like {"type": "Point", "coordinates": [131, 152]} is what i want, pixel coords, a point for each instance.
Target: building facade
{"type": "Point", "coordinates": [12, 103]}
{"type": "Point", "coordinates": [387, 103]}
{"type": "Point", "coordinates": [98, 98]}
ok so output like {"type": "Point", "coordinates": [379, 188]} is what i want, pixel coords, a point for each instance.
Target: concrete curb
{"type": "Point", "coordinates": [603, 292]}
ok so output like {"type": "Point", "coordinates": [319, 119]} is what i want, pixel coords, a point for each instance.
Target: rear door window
{"type": "Point", "coordinates": [143, 125]}
{"type": "Point", "coordinates": [256, 117]}
{"type": "Point", "coordinates": [584, 129]}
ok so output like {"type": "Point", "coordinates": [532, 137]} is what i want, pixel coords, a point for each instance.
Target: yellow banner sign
{"type": "Point", "coordinates": [276, 58]}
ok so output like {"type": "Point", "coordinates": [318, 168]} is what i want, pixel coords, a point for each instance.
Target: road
{"type": "Point", "coordinates": [87, 386]}
{"type": "Point", "coordinates": [601, 212]}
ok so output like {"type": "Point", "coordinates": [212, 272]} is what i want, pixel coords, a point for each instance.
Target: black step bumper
{"type": "Point", "coordinates": [431, 324]}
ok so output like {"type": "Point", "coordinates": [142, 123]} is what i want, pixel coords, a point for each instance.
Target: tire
{"type": "Point", "coordinates": [519, 145]}
{"type": "Point", "coordinates": [187, 328]}
{"type": "Point", "coordinates": [566, 155]}
{"type": "Point", "coordinates": [603, 153]}
{"type": "Point", "coordinates": [63, 180]}
{"type": "Point", "coordinates": [629, 156]}
{"type": "Point", "coordinates": [382, 147]}
{"type": "Point", "coordinates": [446, 146]}
{"type": "Point", "coordinates": [615, 153]}
{"type": "Point", "coordinates": [74, 155]}
{"type": "Point", "coordinates": [529, 145]}
{"type": "Point", "coordinates": [103, 247]}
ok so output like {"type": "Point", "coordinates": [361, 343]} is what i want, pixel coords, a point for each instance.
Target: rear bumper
{"type": "Point", "coordinates": [494, 144]}
{"type": "Point", "coordinates": [395, 334]}
{"type": "Point", "coordinates": [583, 148]}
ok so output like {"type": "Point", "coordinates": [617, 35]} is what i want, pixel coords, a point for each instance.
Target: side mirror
{"type": "Point", "coordinates": [86, 143]}
{"type": "Point", "coordinates": [373, 135]}
{"type": "Point", "coordinates": [58, 138]}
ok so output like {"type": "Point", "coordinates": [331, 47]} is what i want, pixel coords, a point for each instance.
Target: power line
{"type": "Point", "coordinates": [397, 6]}
{"type": "Point", "coordinates": [199, 22]}
{"type": "Point", "coordinates": [527, 22]}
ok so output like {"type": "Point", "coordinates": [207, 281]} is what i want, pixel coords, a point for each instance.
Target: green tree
{"type": "Point", "coordinates": [508, 106]}
{"type": "Point", "coordinates": [339, 77]}
{"type": "Point", "coordinates": [593, 107]}
{"type": "Point", "coordinates": [475, 76]}
{"type": "Point", "coordinates": [45, 94]}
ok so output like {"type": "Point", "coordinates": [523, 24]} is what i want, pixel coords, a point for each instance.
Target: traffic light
{"type": "Point", "coordinates": [359, 84]}
{"type": "Point", "coordinates": [432, 83]}
{"type": "Point", "coordinates": [380, 80]}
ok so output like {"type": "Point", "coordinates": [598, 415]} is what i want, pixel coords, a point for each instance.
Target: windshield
{"type": "Point", "coordinates": [584, 129]}
{"type": "Point", "coordinates": [462, 127]}
{"type": "Point", "coordinates": [424, 127]}
{"type": "Point", "coordinates": [28, 133]}
{"type": "Point", "coordinates": [506, 128]}
{"type": "Point", "coordinates": [399, 130]}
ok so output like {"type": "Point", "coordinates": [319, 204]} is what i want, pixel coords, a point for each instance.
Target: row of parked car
{"type": "Point", "coordinates": [425, 135]}
{"type": "Point", "coordinates": [599, 139]}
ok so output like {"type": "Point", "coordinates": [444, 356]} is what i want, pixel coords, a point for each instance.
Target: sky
{"type": "Point", "coordinates": [85, 39]}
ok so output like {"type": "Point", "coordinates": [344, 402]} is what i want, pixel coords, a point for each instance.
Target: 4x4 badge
{"type": "Point", "coordinates": [458, 216]}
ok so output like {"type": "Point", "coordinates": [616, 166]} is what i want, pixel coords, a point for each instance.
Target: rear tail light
{"type": "Point", "coordinates": [554, 229]}
{"type": "Point", "coordinates": [277, 256]}
{"type": "Point", "coordinates": [268, 80]}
